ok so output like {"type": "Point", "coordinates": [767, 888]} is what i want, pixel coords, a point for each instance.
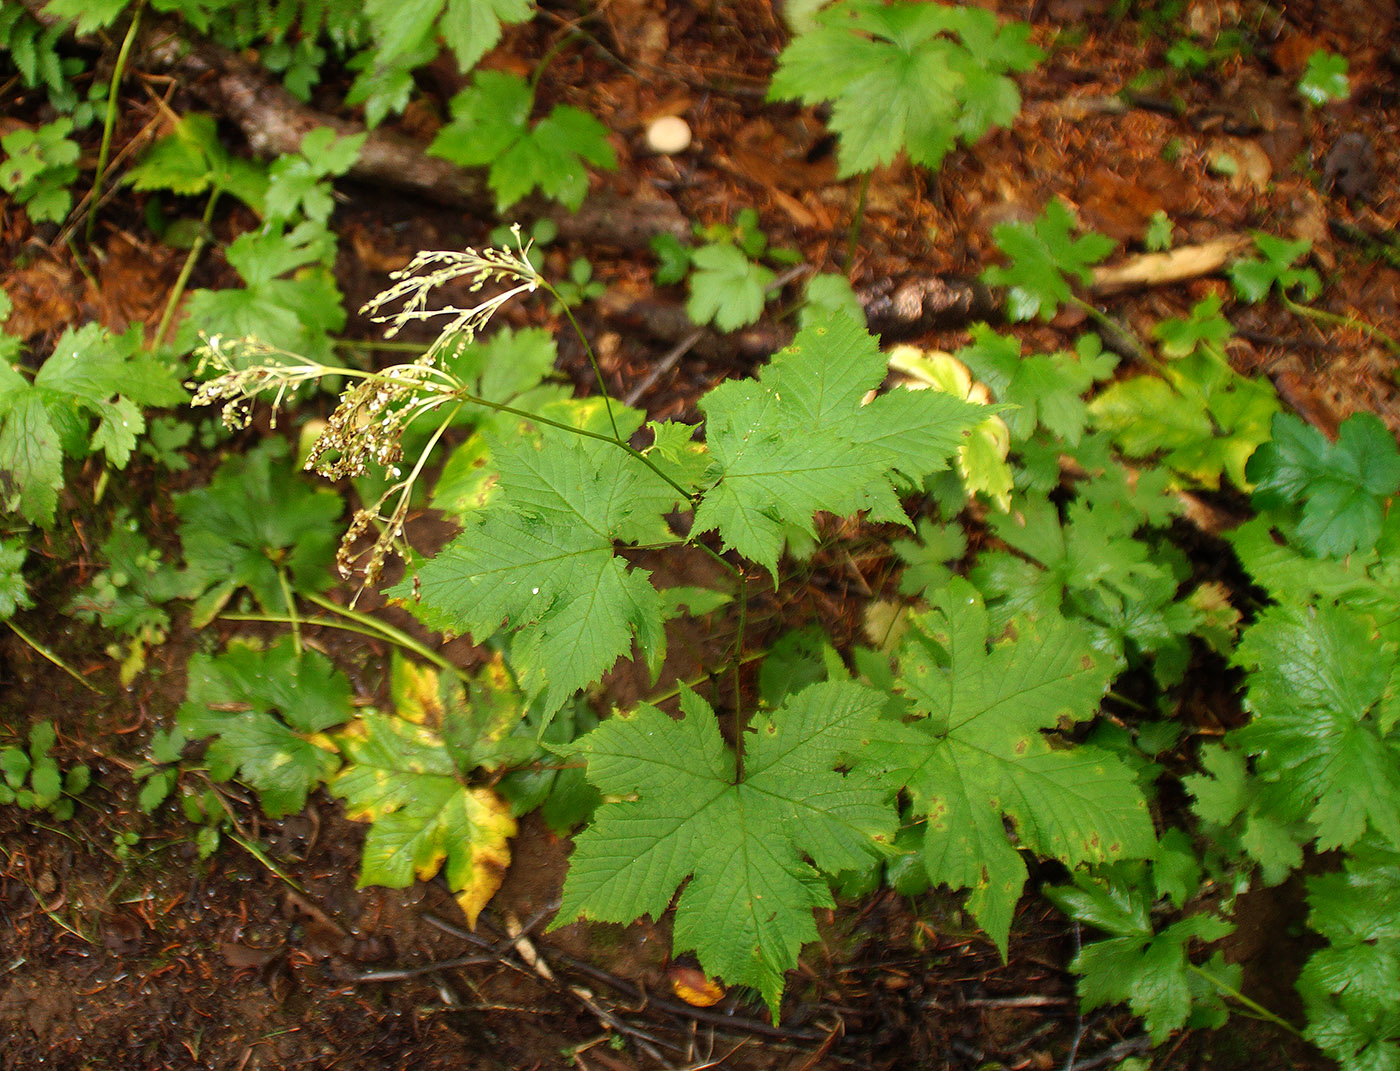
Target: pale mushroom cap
{"type": "Point", "coordinates": [669, 135]}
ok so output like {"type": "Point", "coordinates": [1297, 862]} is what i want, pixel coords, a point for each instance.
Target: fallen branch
{"type": "Point", "coordinates": [1162, 269]}
{"type": "Point", "coordinates": [274, 122]}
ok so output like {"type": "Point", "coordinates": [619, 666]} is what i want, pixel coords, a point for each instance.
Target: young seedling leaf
{"type": "Point", "coordinates": [268, 710]}
{"type": "Point", "coordinates": [1344, 487]}
{"type": "Point", "coordinates": [1043, 258]}
{"type": "Point", "coordinates": [1047, 389]}
{"type": "Point", "coordinates": [1149, 970]}
{"type": "Point", "coordinates": [1255, 277]}
{"type": "Point", "coordinates": [726, 287]}
{"type": "Point", "coordinates": [490, 127]}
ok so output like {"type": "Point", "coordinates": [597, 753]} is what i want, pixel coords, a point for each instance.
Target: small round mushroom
{"type": "Point", "coordinates": [668, 135]}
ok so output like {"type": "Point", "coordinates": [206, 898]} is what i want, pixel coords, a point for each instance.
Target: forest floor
{"type": "Point", "coordinates": [133, 953]}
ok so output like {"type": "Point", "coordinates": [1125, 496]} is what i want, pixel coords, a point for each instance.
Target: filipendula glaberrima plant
{"type": "Point", "coordinates": [539, 561]}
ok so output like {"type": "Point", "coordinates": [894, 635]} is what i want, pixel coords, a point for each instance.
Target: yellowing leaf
{"type": "Point", "coordinates": [417, 692]}
{"type": "Point", "coordinates": [694, 988]}
{"type": "Point", "coordinates": [982, 456]}
{"type": "Point", "coordinates": [401, 778]}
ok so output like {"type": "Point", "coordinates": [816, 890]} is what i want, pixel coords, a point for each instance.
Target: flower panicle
{"type": "Point", "coordinates": [432, 269]}
{"type": "Point", "coordinates": [367, 427]}
{"type": "Point", "coordinates": [246, 368]}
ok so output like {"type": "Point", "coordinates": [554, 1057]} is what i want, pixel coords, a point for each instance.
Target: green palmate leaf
{"type": "Point", "coordinates": [832, 293]}
{"type": "Point", "coordinates": [296, 183]}
{"type": "Point", "coordinates": [31, 458]}
{"type": "Point", "coordinates": [540, 558]}
{"type": "Point", "coordinates": [192, 160]}
{"type": "Point", "coordinates": [1322, 690]}
{"type": "Point", "coordinates": [401, 778]}
{"type": "Point", "coordinates": [927, 558]}
{"type": "Point", "coordinates": [1343, 487]}
{"type": "Point", "coordinates": [1204, 327]}
{"type": "Point", "coordinates": [906, 76]}
{"type": "Point", "coordinates": [1042, 255]}
{"type": "Point", "coordinates": [130, 595]}
{"type": "Point", "coordinates": [1226, 797]}
{"type": "Point", "coordinates": [1255, 277]}
{"type": "Point", "coordinates": [510, 367]}
{"type": "Point", "coordinates": [385, 86]}
{"type": "Point", "coordinates": [1048, 389]}
{"type": "Point", "coordinates": [1150, 970]}
{"type": "Point", "coordinates": [38, 168]}
{"type": "Point", "coordinates": [92, 375]}
{"type": "Point", "coordinates": [290, 294]}
{"type": "Point", "coordinates": [726, 287]}
{"type": "Point", "coordinates": [269, 711]}
{"type": "Point", "coordinates": [471, 28]}
{"type": "Point", "coordinates": [1365, 582]}
{"type": "Point", "coordinates": [1325, 79]}
{"type": "Point", "coordinates": [1092, 568]}
{"type": "Point", "coordinates": [490, 127]}
{"type": "Point", "coordinates": [977, 751]}
{"type": "Point", "coordinates": [90, 15]}
{"type": "Point", "coordinates": [1206, 419]}
{"type": "Point", "coordinates": [798, 440]}
{"type": "Point", "coordinates": [679, 809]}
{"type": "Point", "coordinates": [256, 519]}
{"type": "Point", "coordinates": [1349, 987]}
{"type": "Point", "coordinates": [14, 592]}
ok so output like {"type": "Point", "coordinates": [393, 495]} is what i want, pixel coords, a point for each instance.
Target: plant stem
{"type": "Point", "coordinates": [592, 359]}
{"type": "Point", "coordinates": [60, 663]}
{"type": "Point", "coordinates": [262, 857]}
{"type": "Point", "coordinates": [292, 615]}
{"type": "Point", "coordinates": [196, 248]}
{"type": "Point", "coordinates": [387, 631]}
{"type": "Point", "coordinates": [1119, 333]}
{"type": "Point", "coordinates": [857, 220]}
{"type": "Point", "coordinates": [388, 345]}
{"type": "Point", "coordinates": [378, 630]}
{"type": "Point", "coordinates": [501, 407]}
{"type": "Point", "coordinates": [1351, 322]}
{"type": "Point", "coordinates": [549, 54]}
{"type": "Point", "coordinates": [1257, 1008]}
{"type": "Point", "coordinates": [111, 120]}
{"type": "Point", "coordinates": [675, 689]}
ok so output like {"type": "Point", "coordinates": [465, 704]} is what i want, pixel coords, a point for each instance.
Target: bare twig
{"type": "Point", "coordinates": [1114, 1053]}
{"type": "Point", "coordinates": [401, 974]}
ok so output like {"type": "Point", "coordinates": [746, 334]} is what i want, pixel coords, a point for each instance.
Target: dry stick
{"type": "Point", "coordinates": [540, 968]}
{"type": "Point", "coordinates": [627, 989]}
{"type": "Point", "coordinates": [1161, 269]}
{"type": "Point", "coordinates": [1115, 1053]}
{"type": "Point", "coordinates": [402, 974]}
{"type": "Point", "coordinates": [274, 122]}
